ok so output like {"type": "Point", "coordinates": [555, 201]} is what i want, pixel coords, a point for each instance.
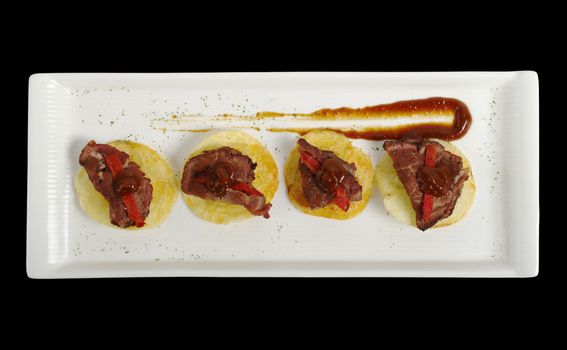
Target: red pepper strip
{"type": "Point", "coordinates": [114, 163]}
{"type": "Point", "coordinates": [311, 163]}
{"type": "Point", "coordinates": [246, 188]}
{"type": "Point", "coordinates": [341, 199]}
{"type": "Point", "coordinates": [115, 166]}
{"type": "Point", "coordinates": [430, 155]}
{"type": "Point", "coordinates": [427, 206]}
{"type": "Point", "coordinates": [132, 209]}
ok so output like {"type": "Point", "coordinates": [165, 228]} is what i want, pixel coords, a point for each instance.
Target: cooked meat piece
{"type": "Point", "coordinates": [408, 158]}
{"type": "Point", "coordinates": [322, 173]}
{"type": "Point", "coordinates": [130, 180]}
{"type": "Point", "coordinates": [256, 204]}
{"type": "Point", "coordinates": [224, 174]}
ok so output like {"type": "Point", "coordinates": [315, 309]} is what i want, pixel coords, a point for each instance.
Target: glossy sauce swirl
{"type": "Point", "coordinates": [127, 182]}
{"type": "Point", "coordinates": [332, 174]}
{"type": "Point", "coordinates": [219, 177]}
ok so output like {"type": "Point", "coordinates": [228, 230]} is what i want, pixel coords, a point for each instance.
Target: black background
{"type": "Point", "coordinates": [281, 39]}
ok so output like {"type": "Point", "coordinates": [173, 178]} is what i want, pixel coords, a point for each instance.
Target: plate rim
{"type": "Point", "coordinates": [527, 266]}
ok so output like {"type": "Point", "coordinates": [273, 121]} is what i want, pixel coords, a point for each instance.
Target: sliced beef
{"type": "Point", "coordinates": [408, 158]}
{"type": "Point", "coordinates": [327, 173]}
{"type": "Point", "coordinates": [224, 174]}
{"type": "Point", "coordinates": [92, 158]}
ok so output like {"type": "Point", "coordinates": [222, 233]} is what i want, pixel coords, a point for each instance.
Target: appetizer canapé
{"type": "Point", "coordinates": [125, 184]}
{"type": "Point", "coordinates": [326, 176]}
{"type": "Point", "coordinates": [425, 183]}
{"type": "Point", "coordinates": [230, 176]}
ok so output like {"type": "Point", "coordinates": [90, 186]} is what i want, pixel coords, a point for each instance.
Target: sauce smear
{"type": "Point", "coordinates": [429, 107]}
{"type": "Point", "coordinates": [434, 117]}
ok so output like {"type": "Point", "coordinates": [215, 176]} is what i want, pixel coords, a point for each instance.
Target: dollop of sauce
{"type": "Point", "coordinates": [435, 180]}
{"type": "Point", "coordinates": [219, 177]}
{"type": "Point", "coordinates": [127, 182]}
{"type": "Point", "coordinates": [332, 174]}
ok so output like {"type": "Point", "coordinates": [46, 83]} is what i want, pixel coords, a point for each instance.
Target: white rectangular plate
{"type": "Point", "coordinates": [499, 237]}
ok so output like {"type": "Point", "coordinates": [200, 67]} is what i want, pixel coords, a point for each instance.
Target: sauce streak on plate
{"type": "Point", "coordinates": [435, 117]}
{"type": "Point", "coordinates": [413, 109]}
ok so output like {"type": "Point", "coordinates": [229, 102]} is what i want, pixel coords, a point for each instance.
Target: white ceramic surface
{"type": "Point", "coordinates": [499, 237]}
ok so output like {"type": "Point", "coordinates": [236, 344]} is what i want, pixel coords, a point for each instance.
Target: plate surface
{"type": "Point", "coordinates": [499, 237]}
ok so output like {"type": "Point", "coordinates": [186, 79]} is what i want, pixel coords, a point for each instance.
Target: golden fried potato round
{"type": "Point", "coordinates": [339, 144]}
{"type": "Point", "coordinates": [396, 199]}
{"type": "Point", "coordinates": [266, 177]}
{"type": "Point", "coordinates": [156, 168]}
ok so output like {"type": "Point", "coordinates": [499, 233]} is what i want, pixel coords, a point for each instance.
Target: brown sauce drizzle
{"type": "Point", "coordinates": [219, 177]}
{"type": "Point", "coordinates": [333, 174]}
{"type": "Point", "coordinates": [430, 106]}
{"type": "Point", "coordinates": [194, 130]}
{"type": "Point", "coordinates": [127, 182]}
